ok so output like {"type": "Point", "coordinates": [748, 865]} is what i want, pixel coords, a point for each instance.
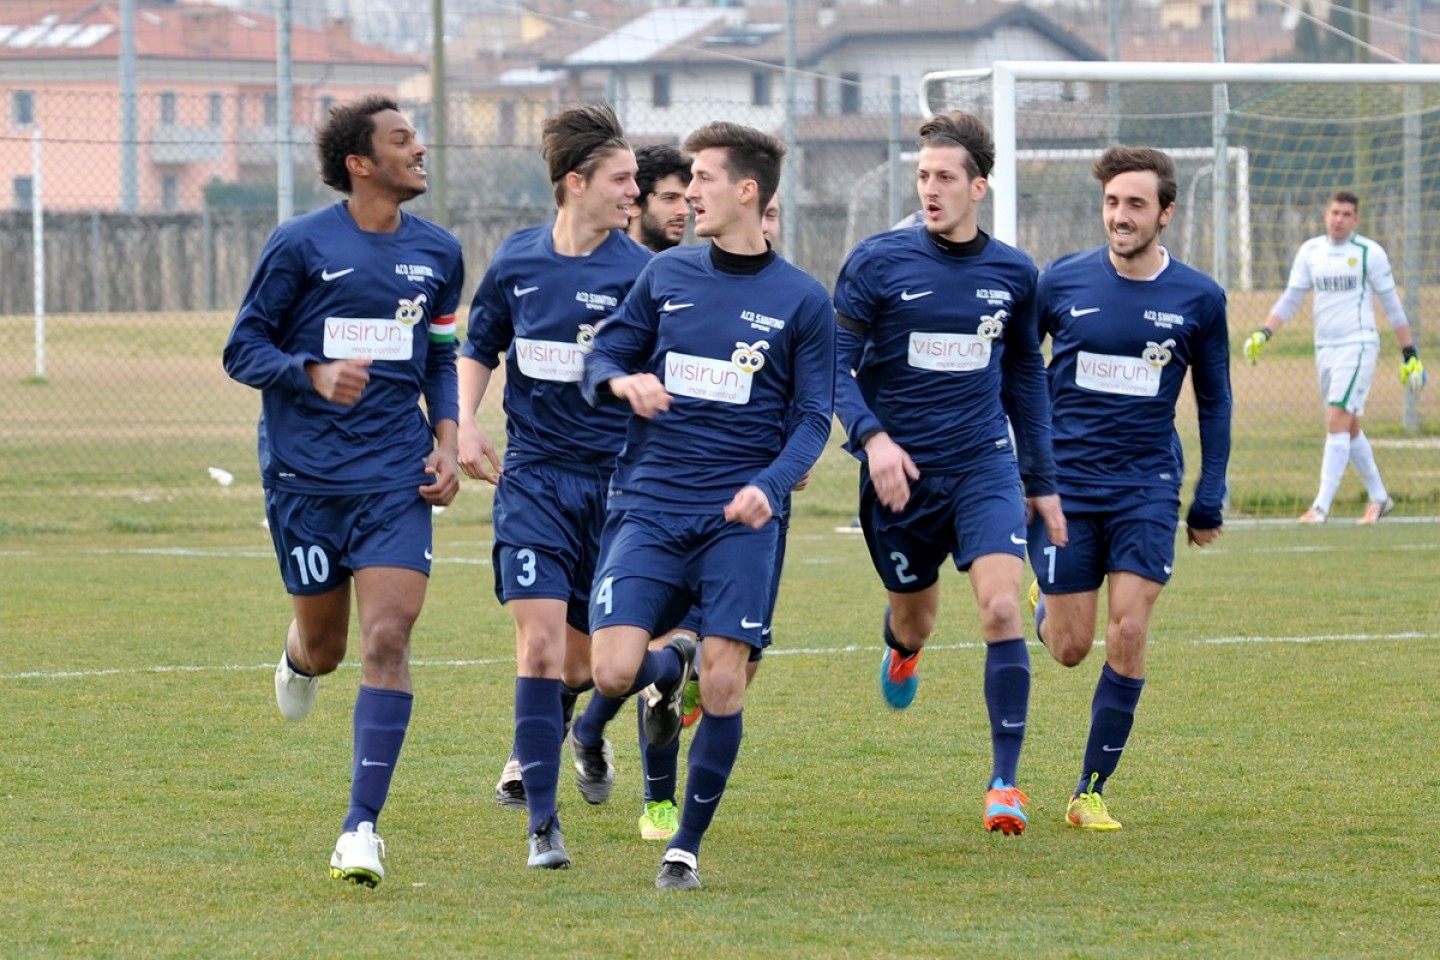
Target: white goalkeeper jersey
{"type": "Point", "coordinates": [1346, 278]}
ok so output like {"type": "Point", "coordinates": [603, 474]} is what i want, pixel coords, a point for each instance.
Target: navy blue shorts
{"type": "Point", "coordinates": [1117, 531]}
{"type": "Point", "coordinates": [320, 540]}
{"type": "Point", "coordinates": [655, 565]}
{"type": "Point", "coordinates": [964, 515]}
{"type": "Point", "coordinates": [548, 523]}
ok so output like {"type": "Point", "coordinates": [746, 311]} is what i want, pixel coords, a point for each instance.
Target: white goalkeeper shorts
{"type": "Point", "coordinates": [1346, 374]}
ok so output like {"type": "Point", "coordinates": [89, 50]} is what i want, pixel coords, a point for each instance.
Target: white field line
{"type": "Point", "coordinates": [867, 648]}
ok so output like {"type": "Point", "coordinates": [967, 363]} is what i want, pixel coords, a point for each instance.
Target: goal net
{"type": "Point", "coordinates": [1259, 148]}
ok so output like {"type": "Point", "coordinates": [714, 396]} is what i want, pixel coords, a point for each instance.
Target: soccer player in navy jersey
{"type": "Point", "coordinates": [658, 222]}
{"type": "Point", "coordinates": [1126, 321]}
{"type": "Point", "coordinates": [542, 298]}
{"type": "Point", "coordinates": [348, 322]}
{"type": "Point", "coordinates": [661, 211]}
{"type": "Point", "coordinates": [723, 352]}
{"type": "Point", "coordinates": [937, 323]}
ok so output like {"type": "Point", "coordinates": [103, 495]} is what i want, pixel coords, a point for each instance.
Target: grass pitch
{"type": "Point", "coordinates": [1276, 794]}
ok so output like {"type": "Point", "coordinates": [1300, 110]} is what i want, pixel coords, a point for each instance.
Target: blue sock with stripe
{"type": "Point", "coordinates": [380, 720]}
{"type": "Point", "coordinates": [712, 757]}
{"type": "Point", "coordinates": [1007, 697]}
{"type": "Point", "coordinates": [539, 720]}
{"type": "Point", "coordinates": [660, 765]}
{"type": "Point", "coordinates": [1112, 714]}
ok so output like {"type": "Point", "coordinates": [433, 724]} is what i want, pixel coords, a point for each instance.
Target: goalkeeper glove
{"type": "Point", "coordinates": [1256, 342]}
{"type": "Point", "coordinates": [1412, 371]}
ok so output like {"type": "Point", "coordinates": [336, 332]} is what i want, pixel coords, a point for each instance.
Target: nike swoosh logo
{"type": "Point", "coordinates": [367, 762]}
{"type": "Point", "coordinates": [1109, 749]}
{"type": "Point", "coordinates": [428, 556]}
{"type": "Point", "coordinates": [1012, 726]}
{"type": "Point", "coordinates": [652, 779]}
{"type": "Point", "coordinates": [749, 624]}
{"type": "Point", "coordinates": [1167, 570]}
{"type": "Point", "coordinates": [907, 295]}
{"type": "Point", "coordinates": [699, 799]}
{"type": "Point", "coordinates": [531, 765]}
{"type": "Point", "coordinates": [1077, 312]}
{"type": "Point", "coordinates": [1018, 541]}
{"type": "Point", "coordinates": [520, 291]}
{"type": "Point", "coordinates": [327, 276]}
{"type": "Point", "coordinates": [670, 307]}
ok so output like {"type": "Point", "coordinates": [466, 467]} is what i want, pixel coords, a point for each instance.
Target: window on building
{"type": "Point", "coordinates": [169, 193]}
{"type": "Point", "coordinates": [217, 109]}
{"type": "Point", "coordinates": [660, 89]}
{"type": "Point", "coordinates": [761, 94]}
{"type": "Point", "coordinates": [272, 110]}
{"type": "Point", "coordinates": [325, 104]}
{"type": "Point", "coordinates": [849, 93]}
{"type": "Point", "coordinates": [22, 190]}
{"type": "Point", "coordinates": [22, 108]}
{"type": "Point", "coordinates": [168, 110]}
{"type": "Point", "coordinates": [820, 105]}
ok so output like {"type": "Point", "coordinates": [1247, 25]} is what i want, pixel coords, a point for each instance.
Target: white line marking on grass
{"type": "Point", "coordinates": [1335, 523]}
{"type": "Point", "coordinates": [1322, 638]}
{"type": "Point", "coordinates": [863, 648]}
{"type": "Point", "coordinates": [221, 668]}
{"type": "Point", "coordinates": [224, 554]}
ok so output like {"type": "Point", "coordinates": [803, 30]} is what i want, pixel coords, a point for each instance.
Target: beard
{"type": "Point", "coordinates": [653, 234]}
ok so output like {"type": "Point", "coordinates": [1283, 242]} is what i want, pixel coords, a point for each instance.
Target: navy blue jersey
{"type": "Point", "coordinates": [748, 361]}
{"type": "Point", "coordinates": [541, 309]}
{"type": "Point", "coordinates": [1120, 351]}
{"type": "Point", "coordinates": [325, 290]}
{"type": "Point", "coordinates": [944, 351]}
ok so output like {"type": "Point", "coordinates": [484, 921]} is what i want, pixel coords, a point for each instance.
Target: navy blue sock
{"type": "Point", "coordinates": [660, 667]}
{"type": "Point", "coordinates": [590, 727]}
{"type": "Point", "coordinates": [661, 765]}
{"type": "Point", "coordinates": [538, 726]}
{"type": "Point", "coordinates": [712, 757]}
{"type": "Point", "coordinates": [381, 717]}
{"type": "Point", "coordinates": [568, 697]}
{"type": "Point", "coordinates": [890, 640]}
{"type": "Point", "coordinates": [1112, 714]}
{"type": "Point", "coordinates": [1007, 695]}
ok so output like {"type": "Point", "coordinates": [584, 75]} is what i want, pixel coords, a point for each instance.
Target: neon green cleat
{"type": "Point", "coordinates": [1035, 603]}
{"type": "Point", "coordinates": [690, 703]}
{"type": "Point", "coordinates": [660, 820]}
{"type": "Point", "coordinates": [1087, 810]}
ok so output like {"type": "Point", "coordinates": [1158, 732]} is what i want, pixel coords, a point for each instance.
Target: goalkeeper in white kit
{"type": "Point", "coordinates": [1348, 272]}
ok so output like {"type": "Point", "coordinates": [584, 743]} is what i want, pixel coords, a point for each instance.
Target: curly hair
{"type": "Point", "coordinates": [348, 131]}
{"type": "Point", "coordinates": [656, 162]}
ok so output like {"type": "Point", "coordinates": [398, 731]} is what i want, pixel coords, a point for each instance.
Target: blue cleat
{"type": "Point", "coordinates": [898, 682]}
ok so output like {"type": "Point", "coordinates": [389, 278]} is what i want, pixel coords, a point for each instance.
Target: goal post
{"type": "Point", "coordinates": [1259, 148]}
{"type": "Point", "coordinates": [1005, 75]}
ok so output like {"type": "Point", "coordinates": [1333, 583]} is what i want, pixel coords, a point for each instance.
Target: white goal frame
{"type": "Point", "coordinates": [1004, 74]}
